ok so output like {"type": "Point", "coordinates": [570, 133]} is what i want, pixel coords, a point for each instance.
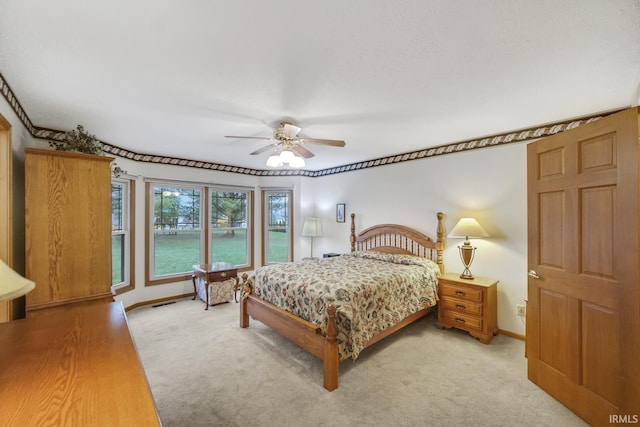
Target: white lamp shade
{"type": "Point", "coordinates": [274, 161]}
{"type": "Point", "coordinates": [467, 228]}
{"type": "Point", "coordinates": [13, 285]}
{"type": "Point", "coordinates": [312, 227]}
{"type": "Point", "coordinates": [286, 156]}
{"type": "Point", "coordinates": [297, 162]}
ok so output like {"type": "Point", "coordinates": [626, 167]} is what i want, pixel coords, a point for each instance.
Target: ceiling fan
{"type": "Point", "coordinates": [285, 139]}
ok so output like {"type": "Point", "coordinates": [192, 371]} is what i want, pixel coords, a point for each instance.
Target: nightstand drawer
{"type": "Point", "coordinates": [462, 306]}
{"type": "Point", "coordinates": [463, 320]}
{"type": "Point", "coordinates": [462, 292]}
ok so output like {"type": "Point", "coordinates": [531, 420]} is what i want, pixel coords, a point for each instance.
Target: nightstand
{"type": "Point", "coordinates": [470, 305]}
{"type": "Point", "coordinates": [330, 255]}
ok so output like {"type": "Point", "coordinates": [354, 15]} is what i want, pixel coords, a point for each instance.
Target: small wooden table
{"type": "Point", "coordinates": [215, 272]}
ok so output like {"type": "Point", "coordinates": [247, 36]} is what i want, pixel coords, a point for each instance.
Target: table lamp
{"type": "Point", "coordinates": [312, 228]}
{"type": "Point", "coordinates": [466, 228]}
{"type": "Point", "coordinates": [13, 285]}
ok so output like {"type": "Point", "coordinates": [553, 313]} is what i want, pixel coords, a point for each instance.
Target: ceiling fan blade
{"type": "Point", "coordinates": [302, 151]}
{"type": "Point", "coordinates": [265, 148]}
{"type": "Point", "coordinates": [290, 131]}
{"type": "Point", "coordinates": [251, 137]}
{"type": "Point", "coordinates": [331, 142]}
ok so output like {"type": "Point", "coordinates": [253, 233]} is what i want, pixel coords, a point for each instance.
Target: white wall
{"type": "Point", "coordinates": [488, 184]}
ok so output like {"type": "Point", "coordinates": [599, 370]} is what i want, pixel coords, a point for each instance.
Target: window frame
{"type": "Point", "coordinates": [128, 231]}
{"type": "Point", "coordinates": [249, 221]}
{"type": "Point", "coordinates": [266, 227]}
{"type": "Point", "coordinates": [206, 190]}
{"type": "Point", "coordinates": [150, 277]}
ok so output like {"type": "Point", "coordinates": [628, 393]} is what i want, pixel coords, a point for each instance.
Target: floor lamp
{"type": "Point", "coordinates": [312, 228]}
{"type": "Point", "coordinates": [466, 228]}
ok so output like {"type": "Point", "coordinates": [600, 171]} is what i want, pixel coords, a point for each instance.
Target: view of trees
{"type": "Point", "coordinates": [116, 207]}
{"type": "Point", "coordinates": [278, 210]}
{"type": "Point", "coordinates": [176, 208]}
{"type": "Point", "coordinates": [229, 210]}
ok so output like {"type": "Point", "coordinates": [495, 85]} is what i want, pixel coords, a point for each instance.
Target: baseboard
{"type": "Point", "coordinates": [156, 301]}
{"type": "Point", "coordinates": [511, 334]}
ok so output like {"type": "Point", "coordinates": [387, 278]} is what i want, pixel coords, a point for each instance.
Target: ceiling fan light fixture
{"type": "Point", "coordinates": [297, 162]}
{"type": "Point", "coordinates": [287, 156]}
{"type": "Point", "coordinates": [290, 149]}
{"type": "Point", "coordinates": [274, 161]}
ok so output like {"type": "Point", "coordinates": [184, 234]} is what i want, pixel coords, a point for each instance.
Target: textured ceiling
{"type": "Point", "coordinates": [173, 77]}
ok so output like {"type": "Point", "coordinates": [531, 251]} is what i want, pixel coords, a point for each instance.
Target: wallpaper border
{"type": "Point", "coordinates": [456, 147]}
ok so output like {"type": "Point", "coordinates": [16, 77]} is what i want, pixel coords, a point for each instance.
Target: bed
{"type": "Point", "coordinates": [336, 307]}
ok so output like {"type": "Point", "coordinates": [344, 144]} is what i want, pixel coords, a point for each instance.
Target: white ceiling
{"type": "Point", "coordinates": [173, 77]}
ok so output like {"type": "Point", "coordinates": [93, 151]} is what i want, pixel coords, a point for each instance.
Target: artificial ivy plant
{"type": "Point", "coordinates": [78, 140]}
{"type": "Point", "coordinates": [81, 141]}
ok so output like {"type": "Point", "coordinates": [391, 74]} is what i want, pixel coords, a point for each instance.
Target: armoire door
{"type": "Point", "coordinates": [583, 312]}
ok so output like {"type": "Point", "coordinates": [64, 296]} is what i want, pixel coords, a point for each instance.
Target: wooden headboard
{"type": "Point", "coordinates": [399, 239]}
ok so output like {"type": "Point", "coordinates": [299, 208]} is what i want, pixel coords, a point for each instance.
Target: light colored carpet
{"type": "Point", "coordinates": [204, 370]}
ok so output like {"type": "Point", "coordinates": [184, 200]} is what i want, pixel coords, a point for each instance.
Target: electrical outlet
{"type": "Point", "coordinates": [520, 310]}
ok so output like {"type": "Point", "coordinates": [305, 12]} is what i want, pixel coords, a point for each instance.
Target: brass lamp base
{"type": "Point", "coordinates": [467, 253]}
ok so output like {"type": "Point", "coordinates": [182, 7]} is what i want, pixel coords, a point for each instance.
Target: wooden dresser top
{"type": "Point", "coordinates": [73, 364]}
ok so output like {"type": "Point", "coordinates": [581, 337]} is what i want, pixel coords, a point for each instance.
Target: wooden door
{"type": "Point", "coordinates": [583, 320]}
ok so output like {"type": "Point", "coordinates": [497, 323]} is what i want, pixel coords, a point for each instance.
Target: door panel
{"type": "Point", "coordinates": [597, 231]}
{"type": "Point", "coordinates": [551, 230]}
{"type": "Point", "coordinates": [583, 324]}
{"type": "Point", "coordinates": [556, 349]}
{"type": "Point", "coordinates": [599, 347]}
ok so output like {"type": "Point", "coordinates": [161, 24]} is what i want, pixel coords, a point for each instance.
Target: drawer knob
{"type": "Point", "coordinates": [223, 274]}
{"type": "Point", "coordinates": [461, 293]}
{"type": "Point", "coordinates": [460, 306]}
{"type": "Point", "coordinates": [460, 320]}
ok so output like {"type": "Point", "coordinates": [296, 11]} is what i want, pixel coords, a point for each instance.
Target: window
{"type": "Point", "coordinates": [277, 237]}
{"type": "Point", "coordinates": [230, 239]}
{"type": "Point", "coordinates": [177, 238]}
{"type": "Point", "coordinates": [120, 234]}
{"type": "Point", "coordinates": [193, 224]}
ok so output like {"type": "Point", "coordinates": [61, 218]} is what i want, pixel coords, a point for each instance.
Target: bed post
{"type": "Point", "coordinates": [440, 242]}
{"type": "Point", "coordinates": [353, 232]}
{"type": "Point", "coordinates": [330, 359]}
{"type": "Point", "coordinates": [244, 316]}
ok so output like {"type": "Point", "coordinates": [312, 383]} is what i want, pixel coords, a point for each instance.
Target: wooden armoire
{"type": "Point", "coordinates": [67, 227]}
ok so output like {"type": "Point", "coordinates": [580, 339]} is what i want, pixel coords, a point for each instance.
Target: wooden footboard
{"type": "Point", "coordinates": [297, 330]}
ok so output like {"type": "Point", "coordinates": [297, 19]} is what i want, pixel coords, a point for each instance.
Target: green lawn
{"type": "Point", "coordinates": [176, 253]}
{"type": "Point", "coordinates": [116, 259]}
{"type": "Point", "coordinates": [278, 246]}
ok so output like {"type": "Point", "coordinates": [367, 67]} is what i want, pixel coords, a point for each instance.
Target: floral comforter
{"type": "Point", "coordinates": [371, 291]}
